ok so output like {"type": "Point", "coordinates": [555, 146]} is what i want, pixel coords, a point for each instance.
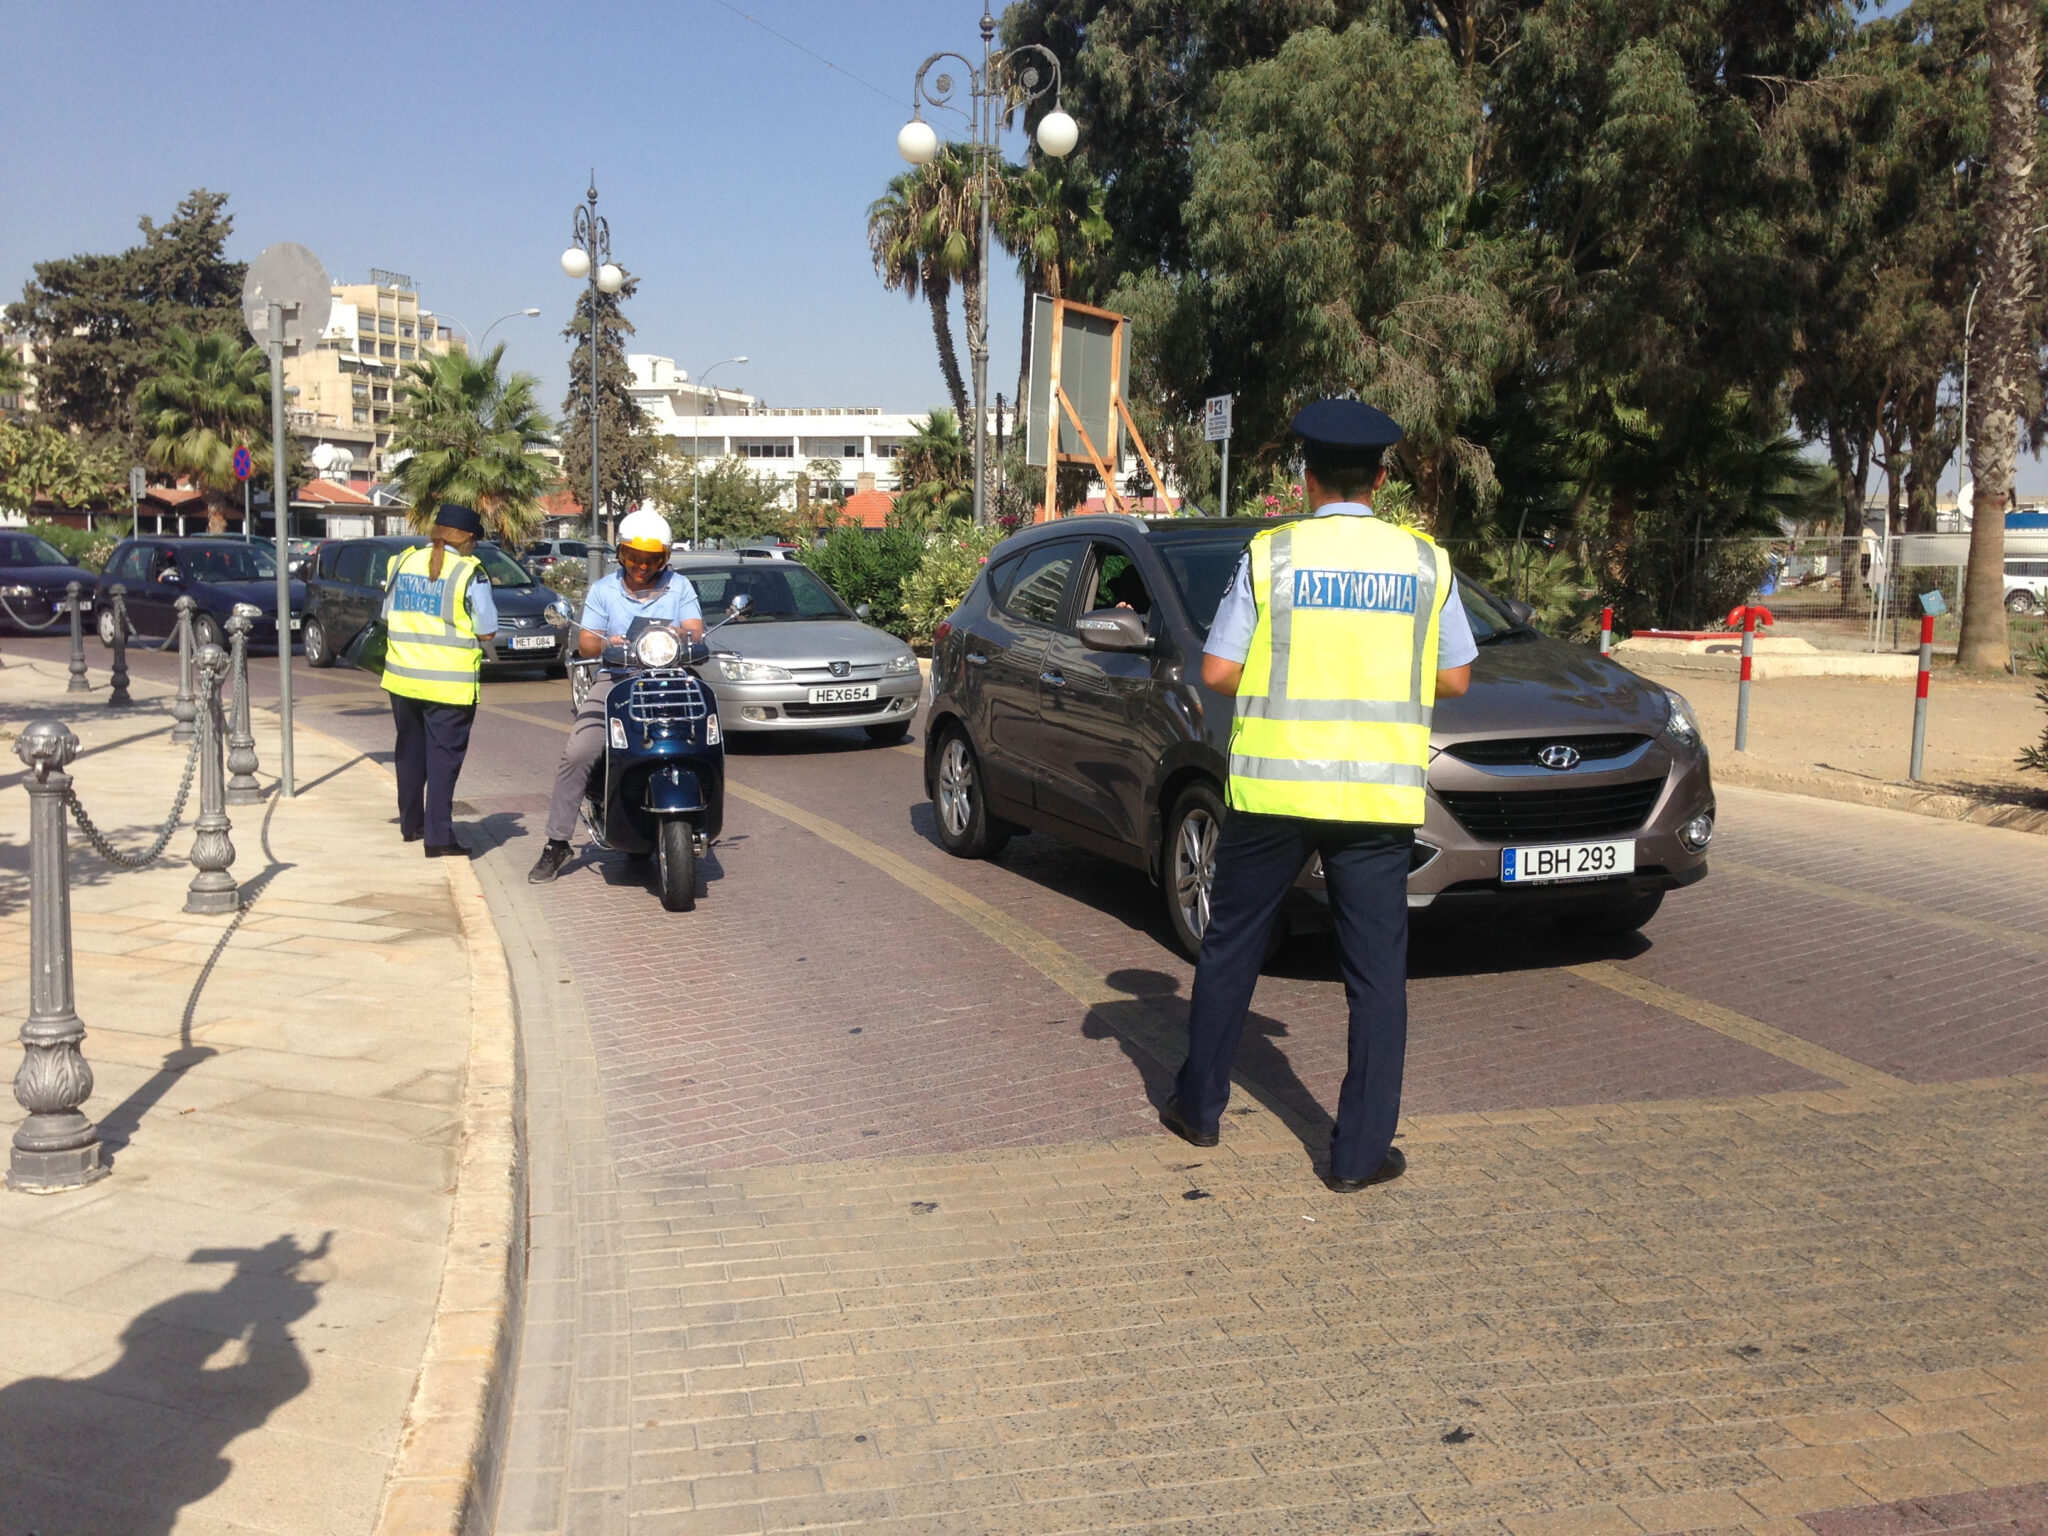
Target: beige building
{"type": "Point", "coordinates": [348, 384]}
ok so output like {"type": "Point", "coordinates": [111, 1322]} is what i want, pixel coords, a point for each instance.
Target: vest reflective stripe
{"type": "Point", "coordinates": [1339, 686]}
{"type": "Point", "coordinates": [433, 652]}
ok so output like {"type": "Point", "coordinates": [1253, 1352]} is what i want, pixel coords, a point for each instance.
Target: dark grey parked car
{"type": "Point", "coordinates": [218, 574]}
{"type": "Point", "coordinates": [346, 591]}
{"type": "Point", "coordinates": [1067, 699]}
{"type": "Point", "coordinates": [33, 576]}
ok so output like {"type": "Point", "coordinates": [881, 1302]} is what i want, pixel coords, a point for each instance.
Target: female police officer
{"type": "Point", "coordinates": [437, 612]}
{"type": "Point", "coordinates": [1337, 637]}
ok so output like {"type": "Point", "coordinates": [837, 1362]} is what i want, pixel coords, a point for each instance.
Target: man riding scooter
{"type": "Point", "coordinates": [643, 587]}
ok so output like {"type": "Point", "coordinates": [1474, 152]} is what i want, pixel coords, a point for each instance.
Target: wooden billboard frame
{"type": "Point", "coordinates": [1058, 400]}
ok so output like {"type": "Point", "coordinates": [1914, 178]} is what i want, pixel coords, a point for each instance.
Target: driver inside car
{"type": "Point", "coordinates": [643, 587]}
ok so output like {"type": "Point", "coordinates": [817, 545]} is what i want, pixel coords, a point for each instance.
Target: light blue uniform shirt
{"type": "Point", "coordinates": [483, 608]}
{"type": "Point", "coordinates": [610, 609]}
{"type": "Point", "coordinates": [1230, 632]}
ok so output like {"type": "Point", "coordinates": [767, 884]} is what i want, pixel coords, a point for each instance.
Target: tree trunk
{"type": "Point", "coordinates": [217, 511]}
{"type": "Point", "coordinates": [2001, 360]}
{"type": "Point", "coordinates": [974, 306]}
{"type": "Point", "coordinates": [939, 295]}
{"type": "Point", "coordinates": [1926, 457]}
{"type": "Point", "coordinates": [1024, 359]}
{"type": "Point", "coordinates": [1849, 452]}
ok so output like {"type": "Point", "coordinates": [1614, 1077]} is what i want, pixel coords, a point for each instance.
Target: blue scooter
{"type": "Point", "coordinates": [659, 789]}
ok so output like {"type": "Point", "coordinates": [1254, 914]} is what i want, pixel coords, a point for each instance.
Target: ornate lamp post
{"type": "Point", "coordinates": [1007, 80]}
{"type": "Point", "coordinates": [697, 442]}
{"type": "Point", "coordinates": [590, 255]}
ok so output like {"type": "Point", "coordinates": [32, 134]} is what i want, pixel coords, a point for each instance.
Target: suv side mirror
{"type": "Point", "coordinates": [1113, 629]}
{"type": "Point", "coordinates": [1518, 610]}
{"type": "Point", "coordinates": [863, 612]}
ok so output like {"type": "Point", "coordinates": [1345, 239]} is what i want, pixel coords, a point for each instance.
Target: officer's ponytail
{"type": "Point", "coordinates": [434, 560]}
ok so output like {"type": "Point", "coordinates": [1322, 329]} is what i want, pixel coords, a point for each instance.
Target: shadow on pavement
{"type": "Point", "coordinates": [150, 1431]}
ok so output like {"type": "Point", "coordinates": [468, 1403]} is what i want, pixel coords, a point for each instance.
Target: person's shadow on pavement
{"type": "Point", "coordinates": [148, 1434]}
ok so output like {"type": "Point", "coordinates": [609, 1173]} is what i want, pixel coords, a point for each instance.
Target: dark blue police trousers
{"type": "Point", "coordinates": [1365, 868]}
{"type": "Point", "coordinates": [433, 739]}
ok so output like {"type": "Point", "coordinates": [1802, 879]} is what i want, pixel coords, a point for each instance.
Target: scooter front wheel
{"type": "Point", "coordinates": [678, 871]}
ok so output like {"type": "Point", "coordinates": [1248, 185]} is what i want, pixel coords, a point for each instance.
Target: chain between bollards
{"type": "Point", "coordinates": [74, 597]}
{"type": "Point", "coordinates": [213, 890]}
{"type": "Point", "coordinates": [117, 600]}
{"type": "Point", "coordinates": [242, 786]}
{"type": "Point", "coordinates": [56, 1147]}
{"type": "Point", "coordinates": [185, 707]}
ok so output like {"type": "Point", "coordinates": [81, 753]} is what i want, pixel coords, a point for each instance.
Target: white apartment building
{"type": "Point", "coordinates": [775, 440]}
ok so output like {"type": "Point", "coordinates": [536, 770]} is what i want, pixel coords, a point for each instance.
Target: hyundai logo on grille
{"type": "Point", "coordinates": [1558, 756]}
{"type": "Point", "coordinates": [839, 668]}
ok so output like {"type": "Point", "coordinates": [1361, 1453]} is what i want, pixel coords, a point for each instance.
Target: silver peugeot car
{"type": "Point", "coordinates": [799, 659]}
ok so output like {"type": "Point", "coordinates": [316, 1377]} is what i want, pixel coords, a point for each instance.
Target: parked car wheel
{"type": "Point", "coordinates": [966, 830]}
{"type": "Point", "coordinates": [313, 636]}
{"type": "Point", "coordinates": [2020, 602]}
{"type": "Point", "coordinates": [678, 856]}
{"type": "Point", "coordinates": [888, 735]}
{"type": "Point", "coordinates": [106, 623]}
{"type": "Point", "coordinates": [1624, 917]}
{"type": "Point", "coordinates": [1192, 830]}
{"type": "Point", "coordinates": [206, 631]}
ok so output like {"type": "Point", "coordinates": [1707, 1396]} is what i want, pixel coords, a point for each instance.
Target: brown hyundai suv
{"type": "Point", "coordinates": [1067, 699]}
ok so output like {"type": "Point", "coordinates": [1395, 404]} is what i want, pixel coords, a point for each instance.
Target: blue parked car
{"type": "Point", "coordinates": [215, 573]}
{"type": "Point", "coordinates": [33, 574]}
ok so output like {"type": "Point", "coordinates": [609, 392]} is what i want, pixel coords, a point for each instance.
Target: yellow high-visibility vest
{"type": "Point", "coordinates": [433, 652]}
{"type": "Point", "coordinates": [1333, 710]}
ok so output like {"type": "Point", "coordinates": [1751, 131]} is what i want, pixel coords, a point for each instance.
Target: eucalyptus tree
{"type": "Point", "coordinates": [626, 445]}
{"type": "Point", "coordinates": [204, 397]}
{"type": "Point", "coordinates": [474, 436]}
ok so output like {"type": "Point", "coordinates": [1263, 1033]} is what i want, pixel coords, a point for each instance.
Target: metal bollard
{"type": "Point", "coordinates": [1606, 631]}
{"type": "Point", "coordinates": [213, 889]}
{"type": "Point", "coordinates": [56, 1147]}
{"type": "Point", "coordinates": [242, 786]}
{"type": "Point", "coordinates": [117, 600]}
{"type": "Point", "coordinates": [1742, 687]}
{"type": "Point", "coordinates": [185, 707]}
{"type": "Point", "coordinates": [73, 593]}
{"type": "Point", "coordinates": [1920, 697]}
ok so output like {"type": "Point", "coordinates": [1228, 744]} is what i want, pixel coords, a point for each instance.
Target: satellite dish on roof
{"type": "Point", "coordinates": [291, 276]}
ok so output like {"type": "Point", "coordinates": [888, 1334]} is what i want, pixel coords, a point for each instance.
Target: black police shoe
{"type": "Point", "coordinates": [549, 864]}
{"type": "Point", "coordinates": [1176, 1122]}
{"type": "Point", "coordinates": [1391, 1167]}
{"type": "Point", "coordinates": [448, 851]}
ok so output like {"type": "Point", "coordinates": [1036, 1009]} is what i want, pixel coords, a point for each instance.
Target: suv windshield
{"type": "Point", "coordinates": [775, 591]}
{"type": "Point", "coordinates": [27, 549]}
{"type": "Point", "coordinates": [228, 562]}
{"type": "Point", "coordinates": [501, 568]}
{"type": "Point", "coordinates": [1490, 620]}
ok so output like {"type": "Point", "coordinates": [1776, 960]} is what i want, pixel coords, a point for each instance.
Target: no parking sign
{"type": "Point", "coordinates": [244, 465]}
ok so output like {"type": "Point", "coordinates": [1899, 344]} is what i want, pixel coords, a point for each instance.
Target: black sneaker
{"type": "Point", "coordinates": [549, 864]}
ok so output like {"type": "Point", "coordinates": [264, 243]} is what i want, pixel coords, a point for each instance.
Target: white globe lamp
{"type": "Point", "coordinates": [1058, 134]}
{"type": "Point", "coordinates": [610, 279]}
{"type": "Point", "coordinates": [917, 142]}
{"type": "Point", "coordinates": [576, 262]}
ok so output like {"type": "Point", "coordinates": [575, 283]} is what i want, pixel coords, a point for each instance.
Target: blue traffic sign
{"type": "Point", "coordinates": [244, 465]}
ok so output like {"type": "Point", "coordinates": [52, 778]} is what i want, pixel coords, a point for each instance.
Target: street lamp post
{"type": "Point", "coordinates": [1007, 80]}
{"type": "Point", "coordinates": [479, 345]}
{"type": "Point", "coordinates": [590, 255]}
{"type": "Point", "coordinates": [697, 444]}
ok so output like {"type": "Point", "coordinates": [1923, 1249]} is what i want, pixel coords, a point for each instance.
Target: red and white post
{"type": "Point", "coordinates": [1606, 631]}
{"type": "Point", "coordinates": [1920, 696]}
{"type": "Point", "coordinates": [1742, 688]}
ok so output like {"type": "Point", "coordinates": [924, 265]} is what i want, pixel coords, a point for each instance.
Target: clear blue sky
{"type": "Point", "coordinates": [450, 141]}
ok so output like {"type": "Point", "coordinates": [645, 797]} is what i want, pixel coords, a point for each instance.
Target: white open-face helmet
{"type": "Point", "coordinates": [645, 530]}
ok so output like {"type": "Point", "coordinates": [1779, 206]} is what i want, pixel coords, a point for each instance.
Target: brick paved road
{"type": "Point", "coordinates": [850, 1210]}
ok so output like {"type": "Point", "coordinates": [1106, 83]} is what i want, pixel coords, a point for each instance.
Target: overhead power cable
{"type": "Point", "coordinates": [810, 52]}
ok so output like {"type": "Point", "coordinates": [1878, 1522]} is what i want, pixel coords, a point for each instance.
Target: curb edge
{"type": "Point", "coordinates": [1888, 796]}
{"type": "Point", "coordinates": [448, 1443]}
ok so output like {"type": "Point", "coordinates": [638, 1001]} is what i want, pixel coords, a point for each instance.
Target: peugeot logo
{"type": "Point", "coordinates": [841, 668]}
{"type": "Point", "coordinates": [1558, 756]}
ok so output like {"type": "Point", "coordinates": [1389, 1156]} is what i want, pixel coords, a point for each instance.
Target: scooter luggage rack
{"type": "Point", "coordinates": [666, 698]}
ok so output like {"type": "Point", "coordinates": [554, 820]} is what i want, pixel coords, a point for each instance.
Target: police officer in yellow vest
{"type": "Point", "coordinates": [1337, 637]}
{"type": "Point", "coordinates": [438, 612]}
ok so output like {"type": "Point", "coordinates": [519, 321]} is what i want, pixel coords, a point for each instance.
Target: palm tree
{"type": "Point", "coordinates": [207, 394]}
{"type": "Point", "coordinates": [1052, 222]}
{"type": "Point", "coordinates": [925, 235]}
{"type": "Point", "coordinates": [935, 471]}
{"type": "Point", "coordinates": [472, 437]}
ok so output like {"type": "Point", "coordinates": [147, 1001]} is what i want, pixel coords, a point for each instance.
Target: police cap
{"type": "Point", "coordinates": [1346, 426]}
{"type": "Point", "coordinates": [462, 519]}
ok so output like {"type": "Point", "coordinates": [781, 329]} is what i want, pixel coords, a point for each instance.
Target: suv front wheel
{"type": "Point", "coordinates": [959, 805]}
{"type": "Point", "coordinates": [1192, 830]}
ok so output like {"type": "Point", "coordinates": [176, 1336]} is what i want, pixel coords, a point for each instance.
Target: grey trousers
{"type": "Point", "coordinates": [572, 775]}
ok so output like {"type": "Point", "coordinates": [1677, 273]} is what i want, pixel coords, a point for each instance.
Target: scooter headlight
{"type": "Point", "coordinates": [657, 648]}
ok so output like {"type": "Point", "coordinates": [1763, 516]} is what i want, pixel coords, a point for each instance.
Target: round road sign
{"type": "Point", "coordinates": [290, 275]}
{"type": "Point", "coordinates": [244, 465]}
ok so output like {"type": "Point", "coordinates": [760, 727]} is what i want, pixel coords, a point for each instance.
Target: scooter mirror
{"type": "Point", "coordinates": [740, 604]}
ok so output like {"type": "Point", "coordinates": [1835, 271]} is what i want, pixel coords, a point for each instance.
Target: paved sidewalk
{"type": "Point", "coordinates": [227, 1335]}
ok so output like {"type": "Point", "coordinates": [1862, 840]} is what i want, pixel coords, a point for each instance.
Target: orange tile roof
{"type": "Point", "coordinates": [174, 495]}
{"type": "Point", "coordinates": [334, 495]}
{"type": "Point", "coordinates": [870, 509]}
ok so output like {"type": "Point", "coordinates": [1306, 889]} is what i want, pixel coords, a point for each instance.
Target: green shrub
{"type": "Point", "coordinates": [571, 579]}
{"type": "Point", "coordinates": [870, 566]}
{"type": "Point", "coordinates": [953, 557]}
{"type": "Point", "coordinates": [78, 545]}
{"type": "Point", "coordinates": [2036, 659]}
{"type": "Point", "coordinates": [1549, 581]}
